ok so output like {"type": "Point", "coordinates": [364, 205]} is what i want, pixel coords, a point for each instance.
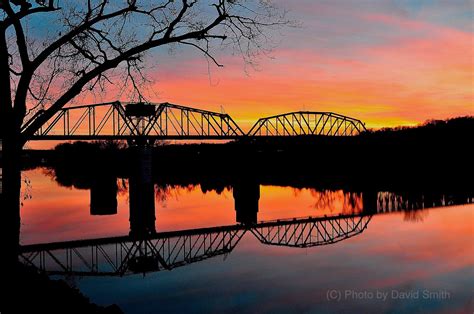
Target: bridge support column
{"type": "Point", "coordinates": [104, 195]}
{"type": "Point", "coordinates": [369, 202]}
{"type": "Point", "coordinates": [141, 191]}
{"type": "Point", "coordinates": [246, 196]}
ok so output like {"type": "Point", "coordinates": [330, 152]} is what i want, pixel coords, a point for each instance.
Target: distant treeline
{"type": "Point", "coordinates": [435, 154]}
{"type": "Point", "coordinates": [461, 128]}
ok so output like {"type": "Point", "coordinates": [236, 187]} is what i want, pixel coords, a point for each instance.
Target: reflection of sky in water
{"type": "Point", "coordinates": [432, 252]}
{"type": "Point", "coordinates": [59, 213]}
{"type": "Point", "coordinates": [391, 254]}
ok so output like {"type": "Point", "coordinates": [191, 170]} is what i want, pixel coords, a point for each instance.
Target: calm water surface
{"type": "Point", "coordinates": [417, 261]}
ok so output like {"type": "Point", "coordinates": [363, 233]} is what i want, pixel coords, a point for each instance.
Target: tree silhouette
{"type": "Point", "coordinates": [51, 51]}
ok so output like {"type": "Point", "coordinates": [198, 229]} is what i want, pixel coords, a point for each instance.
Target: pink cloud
{"type": "Point", "coordinates": [406, 80]}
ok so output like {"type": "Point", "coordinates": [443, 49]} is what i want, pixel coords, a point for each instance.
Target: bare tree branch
{"type": "Point", "coordinates": [96, 40]}
{"type": "Point", "coordinates": [205, 51]}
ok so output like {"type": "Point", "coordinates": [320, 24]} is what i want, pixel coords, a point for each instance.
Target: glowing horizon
{"type": "Point", "coordinates": [383, 63]}
{"type": "Point", "coordinates": [388, 64]}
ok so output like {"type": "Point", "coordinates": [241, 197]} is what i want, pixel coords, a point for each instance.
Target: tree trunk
{"type": "Point", "coordinates": [10, 197]}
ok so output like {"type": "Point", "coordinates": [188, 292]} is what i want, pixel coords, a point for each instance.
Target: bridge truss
{"type": "Point", "coordinates": [307, 123]}
{"type": "Point", "coordinates": [125, 255]}
{"type": "Point", "coordinates": [116, 120]}
{"type": "Point", "coordinates": [121, 256]}
{"type": "Point", "coordinates": [311, 232]}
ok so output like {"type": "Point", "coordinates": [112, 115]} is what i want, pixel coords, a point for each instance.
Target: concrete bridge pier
{"type": "Point", "coordinates": [369, 202]}
{"type": "Point", "coordinates": [141, 190]}
{"type": "Point", "coordinates": [103, 195]}
{"type": "Point", "coordinates": [246, 197]}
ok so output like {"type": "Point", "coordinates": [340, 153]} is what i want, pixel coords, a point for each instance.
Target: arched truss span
{"type": "Point", "coordinates": [304, 123]}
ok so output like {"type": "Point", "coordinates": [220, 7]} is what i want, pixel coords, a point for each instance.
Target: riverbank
{"type": "Point", "coordinates": [33, 292]}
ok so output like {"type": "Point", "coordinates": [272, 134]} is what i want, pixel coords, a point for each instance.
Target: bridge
{"type": "Point", "coordinates": [120, 256]}
{"type": "Point", "coordinates": [125, 255]}
{"type": "Point", "coordinates": [165, 121]}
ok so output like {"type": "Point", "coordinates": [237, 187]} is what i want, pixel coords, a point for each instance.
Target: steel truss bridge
{"type": "Point", "coordinates": [116, 120]}
{"type": "Point", "coordinates": [307, 123]}
{"type": "Point", "coordinates": [119, 256]}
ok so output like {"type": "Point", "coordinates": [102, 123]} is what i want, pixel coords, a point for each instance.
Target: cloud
{"type": "Point", "coordinates": [402, 81]}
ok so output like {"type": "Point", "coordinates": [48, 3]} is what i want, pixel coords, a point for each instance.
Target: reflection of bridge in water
{"type": "Point", "coordinates": [118, 256]}
{"type": "Point", "coordinates": [145, 250]}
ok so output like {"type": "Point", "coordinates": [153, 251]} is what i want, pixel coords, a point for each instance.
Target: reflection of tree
{"type": "Point", "coordinates": [339, 201]}
{"type": "Point", "coordinates": [218, 187]}
{"type": "Point", "coordinates": [122, 187]}
{"type": "Point", "coordinates": [352, 202]}
{"type": "Point", "coordinates": [167, 191]}
{"type": "Point", "coordinates": [412, 204]}
{"type": "Point", "coordinates": [77, 178]}
{"type": "Point", "coordinates": [26, 191]}
{"type": "Point", "coordinates": [296, 191]}
{"type": "Point", "coordinates": [323, 199]}
{"type": "Point", "coordinates": [64, 181]}
{"type": "Point", "coordinates": [415, 215]}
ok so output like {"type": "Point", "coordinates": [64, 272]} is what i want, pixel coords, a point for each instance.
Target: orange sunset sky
{"type": "Point", "coordinates": [385, 62]}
